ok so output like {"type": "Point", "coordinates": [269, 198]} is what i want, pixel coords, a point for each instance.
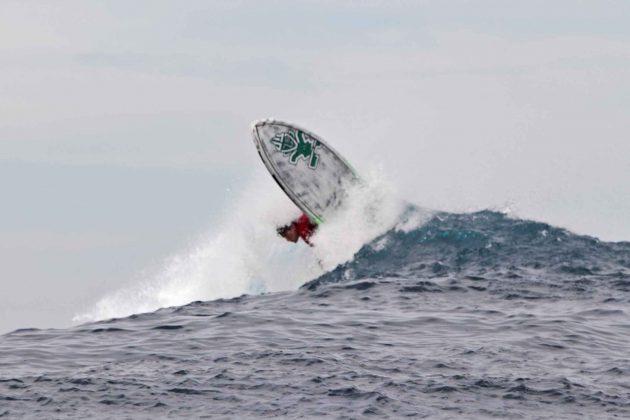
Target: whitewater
{"type": "Point", "coordinates": [244, 254]}
{"type": "Point", "coordinates": [397, 311]}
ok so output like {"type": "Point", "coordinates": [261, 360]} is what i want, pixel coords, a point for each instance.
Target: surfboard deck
{"type": "Point", "coordinates": [310, 172]}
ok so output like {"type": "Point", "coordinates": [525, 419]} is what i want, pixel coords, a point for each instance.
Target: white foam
{"type": "Point", "coordinates": [413, 218]}
{"type": "Point", "coordinates": [244, 255]}
{"type": "Point", "coordinates": [370, 209]}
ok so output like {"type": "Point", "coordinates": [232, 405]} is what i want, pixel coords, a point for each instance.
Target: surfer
{"type": "Point", "coordinates": [302, 227]}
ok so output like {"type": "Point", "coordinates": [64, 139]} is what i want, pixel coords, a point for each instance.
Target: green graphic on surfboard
{"type": "Point", "coordinates": [319, 184]}
{"type": "Point", "coordinates": [297, 145]}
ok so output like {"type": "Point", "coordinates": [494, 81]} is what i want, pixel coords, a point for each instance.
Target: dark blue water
{"type": "Point", "coordinates": [470, 316]}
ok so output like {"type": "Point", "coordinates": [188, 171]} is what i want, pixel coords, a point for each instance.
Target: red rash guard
{"type": "Point", "coordinates": [305, 228]}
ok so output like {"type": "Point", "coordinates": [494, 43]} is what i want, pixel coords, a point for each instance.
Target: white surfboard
{"type": "Point", "coordinates": [312, 174]}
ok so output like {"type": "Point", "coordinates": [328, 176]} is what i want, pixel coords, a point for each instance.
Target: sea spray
{"type": "Point", "coordinates": [370, 209]}
{"type": "Point", "coordinates": [244, 255]}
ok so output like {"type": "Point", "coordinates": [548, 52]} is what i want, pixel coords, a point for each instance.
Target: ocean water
{"type": "Point", "coordinates": [439, 315]}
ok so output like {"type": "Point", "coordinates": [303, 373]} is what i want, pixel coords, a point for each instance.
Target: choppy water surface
{"type": "Point", "coordinates": [468, 316]}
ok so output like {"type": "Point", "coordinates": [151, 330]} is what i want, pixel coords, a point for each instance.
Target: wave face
{"type": "Point", "coordinates": [465, 316]}
{"type": "Point", "coordinates": [495, 252]}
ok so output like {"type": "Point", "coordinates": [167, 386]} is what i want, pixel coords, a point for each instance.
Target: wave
{"type": "Point", "coordinates": [413, 314]}
{"type": "Point", "coordinates": [489, 246]}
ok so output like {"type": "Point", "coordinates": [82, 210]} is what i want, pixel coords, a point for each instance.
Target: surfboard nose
{"type": "Point", "coordinates": [261, 122]}
{"type": "Point", "coordinates": [258, 125]}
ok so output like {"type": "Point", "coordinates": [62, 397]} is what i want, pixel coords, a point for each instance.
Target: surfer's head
{"type": "Point", "coordinates": [289, 232]}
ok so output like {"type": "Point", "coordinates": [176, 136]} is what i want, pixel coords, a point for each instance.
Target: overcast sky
{"type": "Point", "coordinates": [124, 126]}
